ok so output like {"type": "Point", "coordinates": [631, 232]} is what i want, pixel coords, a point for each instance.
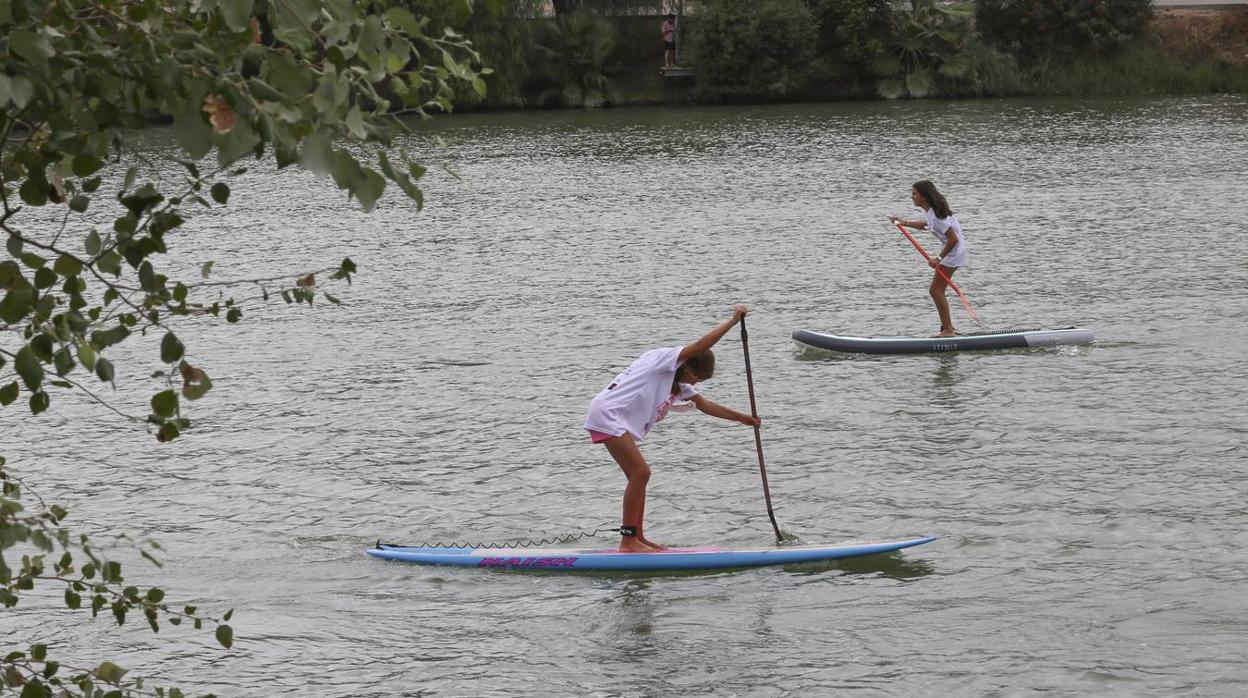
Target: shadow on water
{"type": "Point", "coordinates": [894, 565]}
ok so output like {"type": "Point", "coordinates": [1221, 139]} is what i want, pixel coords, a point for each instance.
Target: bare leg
{"type": "Point", "coordinates": [625, 452]}
{"type": "Point", "coordinates": [937, 289]}
{"type": "Point", "coordinates": [669, 57]}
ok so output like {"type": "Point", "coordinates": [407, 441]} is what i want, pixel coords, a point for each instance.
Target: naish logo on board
{"type": "Point", "coordinates": [527, 562]}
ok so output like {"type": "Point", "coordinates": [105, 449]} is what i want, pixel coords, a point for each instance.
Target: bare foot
{"type": "Point", "coordinates": [652, 546]}
{"type": "Point", "coordinates": [948, 333]}
{"type": "Point", "coordinates": [632, 545]}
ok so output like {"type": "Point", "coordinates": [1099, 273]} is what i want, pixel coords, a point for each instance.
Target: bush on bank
{"type": "Point", "coordinates": [746, 49]}
{"type": "Point", "coordinates": [763, 50]}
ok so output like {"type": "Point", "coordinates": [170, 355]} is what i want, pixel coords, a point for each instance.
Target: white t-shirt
{"type": "Point", "coordinates": [639, 397]}
{"type": "Point", "coordinates": [941, 226]}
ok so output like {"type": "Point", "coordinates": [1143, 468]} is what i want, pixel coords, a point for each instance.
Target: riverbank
{"type": "Point", "coordinates": [1180, 50]}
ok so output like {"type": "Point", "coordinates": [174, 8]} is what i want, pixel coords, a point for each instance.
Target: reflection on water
{"type": "Point", "coordinates": [894, 565]}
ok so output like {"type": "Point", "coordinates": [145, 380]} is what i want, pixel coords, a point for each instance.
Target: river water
{"type": "Point", "coordinates": [1089, 501]}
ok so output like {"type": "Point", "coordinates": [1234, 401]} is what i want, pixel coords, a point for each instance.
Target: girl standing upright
{"type": "Point", "coordinates": [623, 413]}
{"type": "Point", "coordinates": [939, 218]}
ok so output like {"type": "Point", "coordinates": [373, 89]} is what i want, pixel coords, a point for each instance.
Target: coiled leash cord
{"type": "Point", "coordinates": [531, 543]}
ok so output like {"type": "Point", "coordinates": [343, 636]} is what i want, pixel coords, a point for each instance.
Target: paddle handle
{"type": "Point", "coordinates": [966, 304]}
{"type": "Point", "coordinates": [758, 437]}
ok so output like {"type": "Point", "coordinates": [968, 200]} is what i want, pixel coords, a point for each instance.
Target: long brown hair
{"type": "Point", "coordinates": [934, 199]}
{"type": "Point", "coordinates": [702, 366]}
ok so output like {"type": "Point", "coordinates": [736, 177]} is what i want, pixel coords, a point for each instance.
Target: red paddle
{"type": "Point", "coordinates": [961, 296]}
{"type": "Point", "coordinates": [758, 438]}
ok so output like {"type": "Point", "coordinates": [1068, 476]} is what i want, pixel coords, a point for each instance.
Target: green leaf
{"type": "Point", "coordinates": [8, 394]}
{"type": "Point", "coordinates": [195, 383]}
{"type": "Point", "coordinates": [63, 361]}
{"type": "Point", "coordinates": [220, 192]}
{"type": "Point", "coordinates": [110, 672]}
{"type": "Point", "coordinates": [171, 348]}
{"type": "Point", "coordinates": [86, 164]}
{"type": "Point", "coordinates": [10, 272]}
{"type": "Point", "coordinates": [165, 403]}
{"type": "Point", "coordinates": [33, 46]}
{"type": "Point", "coordinates": [355, 123]}
{"type": "Point", "coordinates": [104, 370]}
{"type": "Point", "coordinates": [16, 305]}
{"type": "Point", "coordinates": [67, 266]}
{"type": "Point", "coordinates": [192, 130]}
{"type": "Point", "coordinates": [17, 89]}
{"type": "Point", "coordinates": [155, 595]}
{"type": "Point", "coordinates": [86, 356]}
{"type": "Point", "coordinates": [110, 263]}
{"type": "Point", "coordinates": [29, 368]}
{"type": "Point", "coordinates": [237, 13]}
{"type": "Point", "coordinates": [44, 278]}
{"type": "Point", "coordinates": [34, 190]}
{"type": "Point", "coordinates": [79, 203]}
{"type": "Point", "coordinates": [369, 188]}
{"type": "Point", "coordinates": [225, 635]}
{"type": "Point", "coordinates": [240, 141]}
{"type": "Point", "coordinates": [206, 268]}
{"type": "Point", "coordinates": [93, 243]}
{"type": "Point", "coordinates": [43, 346]}
{"type": "Point", "coordinates": [264, 90]}
{"type": "Point", "coordinates": [38, 402]}
{"type": "Point", "coordinates": [107, 338]}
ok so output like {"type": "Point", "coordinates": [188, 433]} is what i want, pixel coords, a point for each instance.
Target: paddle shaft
{"type": "Point", "coordinates": [758, 437]}
{"type": "Point", "coordinates": [966, 304]}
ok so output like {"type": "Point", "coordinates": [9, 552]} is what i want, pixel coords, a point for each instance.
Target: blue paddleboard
{"type": "Point", "coordinates": [672, 559]}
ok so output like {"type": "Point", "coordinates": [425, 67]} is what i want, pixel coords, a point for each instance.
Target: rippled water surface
{"type": "Point", "coordinates": [1089, 501]}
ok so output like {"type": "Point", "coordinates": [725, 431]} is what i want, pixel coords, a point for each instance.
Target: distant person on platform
{"type": "Point", "coordinates": [668, 31]}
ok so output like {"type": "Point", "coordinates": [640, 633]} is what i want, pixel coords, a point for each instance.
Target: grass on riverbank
{"type": "Point", "coordinates": [1183, 52]}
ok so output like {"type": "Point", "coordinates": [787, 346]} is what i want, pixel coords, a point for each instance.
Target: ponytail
{"type": "Point", "coordinates": [935, 199]}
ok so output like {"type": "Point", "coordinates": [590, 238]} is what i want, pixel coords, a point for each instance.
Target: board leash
{"type": "Point", "coordinates": [531, 543]}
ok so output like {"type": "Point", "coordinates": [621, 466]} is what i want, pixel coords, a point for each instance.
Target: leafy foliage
{"type": "Point", "coordinates": [752, 48]}
{"type": "Point", "coordinates": [1036, 29]}
{"type": "Point", "coordinates": [573, 53]}
{"type": "Point", "coordinates": [852, 34]}
{"type": "Point", "coordinates": [501, 33]}
{"type": "Point", "coordinates": [286, 80]}
{"type": "Point", "coordinates": [930, 46]}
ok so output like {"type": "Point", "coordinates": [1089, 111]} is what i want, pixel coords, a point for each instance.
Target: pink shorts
{"type": "Point", "coordinates": [598, 437]}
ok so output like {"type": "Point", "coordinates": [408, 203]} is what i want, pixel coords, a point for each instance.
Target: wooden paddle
{"type": "Point", "coordinates": [758, 437]}
{"type": "Point", "coordinates": [961, 296]}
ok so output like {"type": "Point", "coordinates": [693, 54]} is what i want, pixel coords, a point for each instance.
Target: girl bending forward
{"type": "Point", "coordinates": [623, 413]}
{"type": "Point", "coordinates": [938, 218]}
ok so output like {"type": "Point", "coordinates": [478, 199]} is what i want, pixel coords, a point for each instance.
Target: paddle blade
{"type": "Point", "coordinates": [967, 306]}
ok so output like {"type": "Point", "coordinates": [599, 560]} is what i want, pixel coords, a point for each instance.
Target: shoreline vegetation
{"type": "Point", "coordinates": [757, 51]}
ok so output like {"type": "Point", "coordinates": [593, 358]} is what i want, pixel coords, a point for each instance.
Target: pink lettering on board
{"type": "Point", "coordinates": [527, 562]}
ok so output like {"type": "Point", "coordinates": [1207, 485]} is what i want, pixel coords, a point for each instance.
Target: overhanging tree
{"type": "Point", "coordinates": [294, 82]}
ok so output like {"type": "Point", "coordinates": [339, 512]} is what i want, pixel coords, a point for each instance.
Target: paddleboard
{"type": "Point", "coordinates": [672, 559]}
{"type": "Point", "coordinates": [1009, 339]}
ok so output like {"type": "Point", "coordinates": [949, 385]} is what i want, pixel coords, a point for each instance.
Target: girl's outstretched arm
{"type": "Point", "coordinates": [916, 224]}
{"type": "Point", "coordinates": [714, 335]}
{"type": "Point", "coordinates": [717, 410]}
